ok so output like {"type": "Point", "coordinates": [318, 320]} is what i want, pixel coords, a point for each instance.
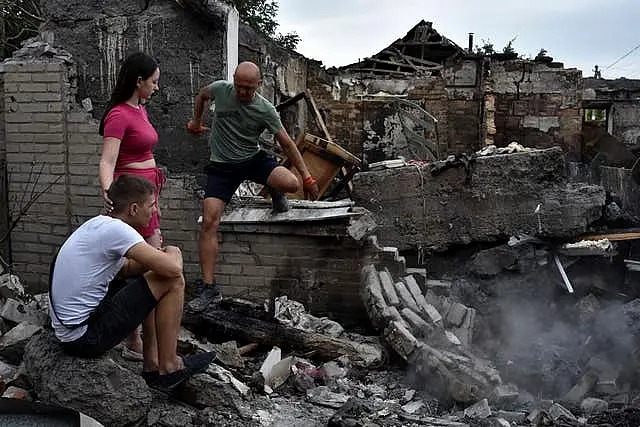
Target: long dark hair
{"type": "Point", "coordinates": [136, 65]}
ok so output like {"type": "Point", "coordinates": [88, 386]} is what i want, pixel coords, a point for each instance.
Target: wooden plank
{"type": "Point", "coordinates": [613, 237]}
{"type": "Point", "coordinates": [394, 63]}
{"type": "Point", "coordinates": [380, 70]}
{"type": "Point", "coordinates": [290, 101]}
{"type": "Point", "coordinates": [332, 147]}
{"type": "Point", "coordinates": [318, 116]}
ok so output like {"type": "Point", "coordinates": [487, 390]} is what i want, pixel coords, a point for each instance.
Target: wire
{"type": "Point", "coordinates": [622, 57]}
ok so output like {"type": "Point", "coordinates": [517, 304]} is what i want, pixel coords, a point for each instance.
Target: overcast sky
{"type": "Point", "coordinates": [579, 33]}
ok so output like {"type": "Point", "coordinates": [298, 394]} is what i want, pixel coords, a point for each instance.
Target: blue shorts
{"type": "Point", "coordinates": [223, 179]}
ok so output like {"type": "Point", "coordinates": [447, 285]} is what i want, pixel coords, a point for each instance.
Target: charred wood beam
{"type": "Point", "coordinates": [224, 323]}
{"type": "Point", "coordinates": [394, 63]}
{"type": "Point", "coordinates": [413, 58]}
{"type": "Point", "coordinates": [289, 102]}
{"type": "Point", "coordinates": [382, 70]}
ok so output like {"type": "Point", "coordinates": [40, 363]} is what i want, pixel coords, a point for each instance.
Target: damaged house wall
{"type": "Point", "coordinates": [537, 105]}
{"type": "Point", "coordinates": [620, 100]}
{"type": "Point", "coordinates": [486, 200]}
{"type": "Point", "coordinates": [190, 52]}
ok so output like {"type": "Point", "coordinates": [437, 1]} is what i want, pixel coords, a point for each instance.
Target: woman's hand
{"type": "Point", "coordinates": [108, 204]}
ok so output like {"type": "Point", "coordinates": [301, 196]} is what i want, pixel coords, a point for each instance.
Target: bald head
{"type": "Point", "coordinates": [246, 81]}
{"type": "Point", "coordinates": [247, 71]}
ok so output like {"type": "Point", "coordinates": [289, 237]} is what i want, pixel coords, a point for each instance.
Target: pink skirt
{"type": "Point", "coordinates": [156, 176]}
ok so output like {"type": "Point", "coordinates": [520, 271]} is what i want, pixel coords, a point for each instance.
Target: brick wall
{"type": "Point", "coordinates": [542, 111]}
{"type": "Point", "coordinates": [311, 264]}
{"type": "Point", "coordinates": [4, 208]}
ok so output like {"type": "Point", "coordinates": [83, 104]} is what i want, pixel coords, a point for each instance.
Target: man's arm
{"type": "Point", "coordinates": [166, 263]}
{"type": "Point", "coordinates": [201, 104]}
{"type": "Point", "coordinates": [132, 268]}
{"type": "Point", "coordinates": [293, 154]}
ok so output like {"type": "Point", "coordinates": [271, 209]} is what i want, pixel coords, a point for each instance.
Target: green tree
{"type": "Point", "coordinates": [19, 20]}
{"type": "Point", "coordinates": [261, 16]}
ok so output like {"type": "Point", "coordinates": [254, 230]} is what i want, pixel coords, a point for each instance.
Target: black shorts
{"type": "Point", "coordinates": [127, 303]}
{"type": "Point", "coordinates": [223, 179]}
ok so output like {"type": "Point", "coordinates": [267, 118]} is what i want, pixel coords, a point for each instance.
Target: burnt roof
{"type": "Point", "coordinates": [422, 49]}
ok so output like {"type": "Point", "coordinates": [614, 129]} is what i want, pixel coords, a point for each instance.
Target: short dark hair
{"type": "Point", "coordinates": [127, 189]}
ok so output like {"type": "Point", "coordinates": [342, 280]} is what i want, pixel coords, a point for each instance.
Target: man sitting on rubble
{"type": "Point", "coordinates": [106, 280]}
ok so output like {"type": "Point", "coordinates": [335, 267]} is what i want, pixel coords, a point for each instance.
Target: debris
{"type": "Point", "coordinates": [10, 286]}
{"type": "Point", "coordinates": [16, 393]}
{"type": "Point", "coordinates": [293, 314]}
{"type": "Point", "coordinates": [413, 407]}
{"type": "Point", "coordinates": [222, 374]}
{"type": "Point", "coordinates": [32, 312]}
{"type": "Point", "coordinates": [592, 405]}
{"type": "Point", "coordinates": [241, 327]}
{"type": "Point", "coordinates": [324, 396]}
{"type": "Point", "coordinates": [388, 164]}
{"type": "Point", "coordinates": [479, 410]}
{"type": "Point", "coordinates": [12, 343]}
{"type": "Point", "coordinates": [565, 279]}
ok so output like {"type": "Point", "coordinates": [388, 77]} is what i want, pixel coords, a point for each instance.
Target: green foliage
{"type": "Point", "coordinates": [486, 49]}
{"type": "Point", "coordinates": [508, 49]}
{"type": "Point", "coordinates": [542, 54]}
{"type": "Point", "coordinates": [261, 16]}
{"type": "Point", "coordinates": [595, 115]}
{"type": "Point", "coordinates": [19, 20]}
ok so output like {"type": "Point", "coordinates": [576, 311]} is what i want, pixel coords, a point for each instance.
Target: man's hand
{"type": "Point", "coordinates": [196, 128]}
{"type": "Point", "coordinates": [310, 188]}
{"type": "Point", "coordinates": [174, 252]}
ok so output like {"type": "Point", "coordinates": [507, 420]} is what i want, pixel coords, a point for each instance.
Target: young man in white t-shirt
{"type": "Point", "coordinates": [106, 280]}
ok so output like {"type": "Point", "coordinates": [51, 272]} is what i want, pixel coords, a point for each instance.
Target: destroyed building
{"type": "Point", "coordinates": [475, 172]}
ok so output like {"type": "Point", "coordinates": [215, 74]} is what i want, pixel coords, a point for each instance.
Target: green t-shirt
{"type": "Point", "coordinates": [236, 128]}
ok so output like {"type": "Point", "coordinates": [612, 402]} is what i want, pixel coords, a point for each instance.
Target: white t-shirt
{"type": "Point", "coordinates": [89, 259]}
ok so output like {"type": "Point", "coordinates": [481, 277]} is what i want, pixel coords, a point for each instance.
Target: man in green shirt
{"type": "Point", "coordinates": [240, 117]}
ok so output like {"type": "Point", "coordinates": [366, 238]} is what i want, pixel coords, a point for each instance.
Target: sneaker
{"type": "Point", "coordinates": [197, 363]}
{"type": "Point", "coordinates": [167, 382]}
{"type": "Point", "coordinates": [150, 377]}
{"type": "Point", "coordinates": [279, 201]}
{"type": "Point", "coordinates": [206, 294]}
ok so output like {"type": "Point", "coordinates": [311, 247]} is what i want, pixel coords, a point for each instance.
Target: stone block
{"type": "Point", "coordinates": [456, 314]}
{"type": "Point", "coordinates": [388, 288]}
{"type": "Point", "coordinates": [418, 326]}
{"type": "Point", "coordinates": [400, 339]}
{"type": "Point", "coordinates": [428, 310]}
{"type": "Point", "coordinates": [12, 344]}
{"type": "Point", "coordinates": [406, 299]}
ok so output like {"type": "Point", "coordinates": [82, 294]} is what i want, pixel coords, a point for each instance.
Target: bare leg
{"type": "Point", "coordinates": [283, 180]}
{"type": "Point", "coordinates": [212, 209]}
{"type": "Point", "coordinates": [150, 343]}
{"type": "Point", "coordinates": [134, 341]}
{"type": "Point", "coordinates": [168, 314]}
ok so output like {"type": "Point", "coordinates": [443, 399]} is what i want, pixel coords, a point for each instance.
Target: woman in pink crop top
{"type": "Point", "coordinates": [129, 138]}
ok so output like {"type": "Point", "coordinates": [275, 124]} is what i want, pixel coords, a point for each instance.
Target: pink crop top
{"type": "Point", "coordinates": [136, 134]}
